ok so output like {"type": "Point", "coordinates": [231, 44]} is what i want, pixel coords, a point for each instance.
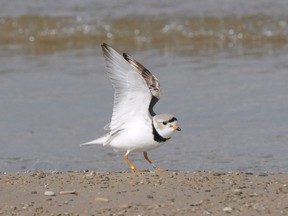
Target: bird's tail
{"type": "Point", "coordinates": [98, 141]}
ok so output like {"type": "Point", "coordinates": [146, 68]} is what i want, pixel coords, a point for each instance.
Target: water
{"type": "Point", "coordinates": [222, 67]}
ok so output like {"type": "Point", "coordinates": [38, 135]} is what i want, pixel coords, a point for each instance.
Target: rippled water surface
{"type": "Point", "coordinates": [222, 67]}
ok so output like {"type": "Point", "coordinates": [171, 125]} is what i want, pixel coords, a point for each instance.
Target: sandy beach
{"type": "Point", "coordinates": [146, 193]}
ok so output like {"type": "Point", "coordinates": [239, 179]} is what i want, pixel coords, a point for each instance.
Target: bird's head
{"type": "Point", "coordinates": [166, 125]}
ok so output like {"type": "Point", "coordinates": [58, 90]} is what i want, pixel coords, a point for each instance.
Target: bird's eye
{"type": "Point", "coordinates": [164, 123]}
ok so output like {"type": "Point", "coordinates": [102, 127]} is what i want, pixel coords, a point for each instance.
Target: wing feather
{"type": "Point", "coordinates": [132, 96]}
{"type": "Point", "coordinates": [151, 81]}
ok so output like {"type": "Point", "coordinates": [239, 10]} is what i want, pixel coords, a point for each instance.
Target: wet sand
{"type": "Point", "coordinates": [147, 193]}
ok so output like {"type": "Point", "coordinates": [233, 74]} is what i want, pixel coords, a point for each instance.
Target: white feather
{"type": "Point", "coordinates": [98, 141]}
{"type": "Point", "coordinates": [132, 95]}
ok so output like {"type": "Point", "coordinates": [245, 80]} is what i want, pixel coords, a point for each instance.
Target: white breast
{"type": "Point", "coordinates": [135, 137]}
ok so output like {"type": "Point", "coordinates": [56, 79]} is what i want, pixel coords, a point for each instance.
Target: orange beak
{"type": "Point", "coordinates": [176, 127]}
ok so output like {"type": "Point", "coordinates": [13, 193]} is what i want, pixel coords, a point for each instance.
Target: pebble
{"type": "Point", "coordinates": [49, 193]}
{"type": "Point", "coordinates": [124, 206]}
{"type": "Point", "coordinates": [254, 194]}
{"type": "Point", "coordinates": [150, 197]}
{"type": "Point", "coordinates": [41, 175]}
{"type": "Point", "coordinates": [227, 209]}
{"type": "Point", "coordinates": [67, 192]}
{"type": "Point", "coordinates": [102, 199]}
{"type": "Point", "coordinates": [25, 205]}
{"type": "Point", "coordinates": [237, 192]}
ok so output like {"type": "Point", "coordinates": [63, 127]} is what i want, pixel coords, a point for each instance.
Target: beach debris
{"type": "Point", "coordinates": [227, 209]}
{"type": "Point", "coordinates": [49, 193]}
{"type": "Point", "coordinates": [67, 192]}
{"type": "Point", "coordinates": [91, 174]}
{"type": "Point", "coordinates": [283, 189]}
{"type": "Point", "coordinates": [102, 199]}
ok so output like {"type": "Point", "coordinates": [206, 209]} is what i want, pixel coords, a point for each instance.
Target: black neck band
{"type": "Point", "coordinates": [157, 136]}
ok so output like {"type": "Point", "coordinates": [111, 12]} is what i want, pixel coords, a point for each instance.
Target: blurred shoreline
{"type": "Point", "coordinates": [190, 35]}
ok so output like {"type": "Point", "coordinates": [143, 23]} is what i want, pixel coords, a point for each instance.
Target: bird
{"type": "Point", "coordinates": [134, 126]}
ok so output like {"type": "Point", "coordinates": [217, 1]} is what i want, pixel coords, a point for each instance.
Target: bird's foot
{"type": "Point", "coordinates": [158, 169]}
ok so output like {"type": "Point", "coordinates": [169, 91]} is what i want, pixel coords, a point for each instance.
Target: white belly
{"type": "Point", "coordinates": [135, 138]}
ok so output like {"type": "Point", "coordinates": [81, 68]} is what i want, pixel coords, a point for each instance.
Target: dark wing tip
{"type": "Point", "coordinates": [139, 67]}
{"type": "Point", "coordinates": [104, 45]}
{"type": "Point", "coordinates": [126, 56]}
{"type": "Point", "coordinates": [149, 78]}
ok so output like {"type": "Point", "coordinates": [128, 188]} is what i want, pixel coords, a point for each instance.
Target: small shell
{"type": "Point", "coordinates": [49, 193]}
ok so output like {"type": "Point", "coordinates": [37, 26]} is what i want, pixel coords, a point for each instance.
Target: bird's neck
{"type": "Point", "coordinates": [157, 137]}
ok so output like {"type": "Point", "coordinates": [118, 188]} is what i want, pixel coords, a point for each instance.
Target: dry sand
{"type": "Point", "coordinates": [147, 193]}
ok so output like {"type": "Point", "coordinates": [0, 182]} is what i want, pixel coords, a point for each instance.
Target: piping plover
{"type": "Point", "coordinates": [134, 126]}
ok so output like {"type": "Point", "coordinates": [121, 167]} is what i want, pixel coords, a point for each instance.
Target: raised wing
{"type": "Point", "coordinates": [132, 96]}
{"type": "Point", "coordinates": [150, 79]}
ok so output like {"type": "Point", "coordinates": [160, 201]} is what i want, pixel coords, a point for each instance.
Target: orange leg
{"type": "Point", "coordinates": [129, 162]}
{"type": "Point", "coordinates": [152, 164]}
